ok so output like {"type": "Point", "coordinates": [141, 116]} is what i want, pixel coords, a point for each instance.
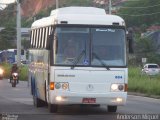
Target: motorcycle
{"type": "Point", "coordinates": [14, 79]}
{"type": "Point", "coordinates": [1, 73]}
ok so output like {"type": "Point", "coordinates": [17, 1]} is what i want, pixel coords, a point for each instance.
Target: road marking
{"type": "Point", "coordinates": [27, 101]}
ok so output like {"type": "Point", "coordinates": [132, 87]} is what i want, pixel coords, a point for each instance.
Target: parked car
{"type": "Point", "coordinates": [151, 69]}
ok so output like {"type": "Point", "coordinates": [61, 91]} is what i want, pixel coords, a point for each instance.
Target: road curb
{"type": "Point", "coordinates": [144, 95]}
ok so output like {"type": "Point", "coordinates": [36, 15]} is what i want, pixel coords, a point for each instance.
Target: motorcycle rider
{"type": "Point", "coordinates": [14, 69]}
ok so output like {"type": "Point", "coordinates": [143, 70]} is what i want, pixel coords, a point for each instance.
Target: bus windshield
{"type": "Point", "coordinates": [89, 46]}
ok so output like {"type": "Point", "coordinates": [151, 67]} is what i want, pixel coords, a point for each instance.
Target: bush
{"type": "Point", "coordinates": [23, 71]}
{"type": "Point", "coordinates": [143, 83]}
{"type": "Point", "coordinates": [6, 67]}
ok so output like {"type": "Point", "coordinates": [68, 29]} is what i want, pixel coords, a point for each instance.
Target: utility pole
{"type": "Point", "coordinates": [18, 34]}
{"type": "Point", "coordinates": [57, 4]}
{"type": "Point", "coordinates": [110, 7]}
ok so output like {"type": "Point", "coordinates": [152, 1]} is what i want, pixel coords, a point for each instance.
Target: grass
{"type": "Point", "coordinates": [23, 75]}
{"type": "Point", "coordinates": [149, 85]}
{"type": "Point", "coordinates": [136, 83]}
{"type": "Point", "coordinates": [6, 67]}
{"type": "Point", "coordinates": [24, 72]}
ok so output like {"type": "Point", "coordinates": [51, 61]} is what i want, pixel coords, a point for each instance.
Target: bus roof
{"type": "Point", "coordinates": [79, 15]}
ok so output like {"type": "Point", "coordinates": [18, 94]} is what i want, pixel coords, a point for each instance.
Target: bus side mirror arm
{"type": "Point", "coordinates": [49, 42]}
{"type": "Point", "coordinates": [130, 42]}
{"type": "Point", "coordinates": [130, 45]}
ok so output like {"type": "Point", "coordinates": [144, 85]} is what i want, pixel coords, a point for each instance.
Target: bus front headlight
{"type": "Point", "coordinates": [117, 87]}
{"type": "Point", "coordinates": [63, 86]}
{"type": "Point", "coordinates": [57, 85]}
{"type": "Point", "coordinates": [114, 87]}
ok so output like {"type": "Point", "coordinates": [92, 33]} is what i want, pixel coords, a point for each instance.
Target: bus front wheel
{"type": "Point", "coordinates": [112, 108]}
{"type": "Point", "coordinates": [53, 108]}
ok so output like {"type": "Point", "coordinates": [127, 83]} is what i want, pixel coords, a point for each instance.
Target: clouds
{"type": "Point", "coordinates": [7, 1]}
{"type": "Point", "coordinates": [3, 2]}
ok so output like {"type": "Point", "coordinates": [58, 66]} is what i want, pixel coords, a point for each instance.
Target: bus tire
{"type": "Point", "coordinates": [112, 108]}
{"type": "Point", "coordinates": [33, 87]}
{"type": "Point", "coordinates": [53, 108]}
{"type": "Point", "coordinates": [37, 102]}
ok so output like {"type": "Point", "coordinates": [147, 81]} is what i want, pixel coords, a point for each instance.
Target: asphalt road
{"type": "Point", "coordinates": [17, 103]}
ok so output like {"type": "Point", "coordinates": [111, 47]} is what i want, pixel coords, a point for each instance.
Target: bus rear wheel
{"type": "Point", "coordinates": [112, 108]}
{"type": "Point", "coordinates": [38, 102]}
{"type": "Point", "coordinates": [53, 108]}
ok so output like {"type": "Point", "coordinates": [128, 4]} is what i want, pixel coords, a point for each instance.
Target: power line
{"type": "Point", "coordinates": [140, 14]}
{"type": "Point", "coordinates": [142, 7]}
{"type": "Point", "coordinates": [134, 0]}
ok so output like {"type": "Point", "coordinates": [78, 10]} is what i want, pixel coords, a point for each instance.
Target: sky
{"type": "Point", "coordinates": [3, 2]}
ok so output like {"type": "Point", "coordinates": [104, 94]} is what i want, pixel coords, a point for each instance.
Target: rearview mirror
{"type": "Point", "coordinates": [49, 42]}
{"type": "Point", "coordinates": [130, 41]}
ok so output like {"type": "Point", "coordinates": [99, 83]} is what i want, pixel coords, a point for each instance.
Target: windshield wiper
{"type": "Point", "coordinates": [78, 58]}
{"type": "Point", "coordinates": [100, 60]}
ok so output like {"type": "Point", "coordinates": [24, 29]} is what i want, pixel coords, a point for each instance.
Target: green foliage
{"type": "Point", "coordinates": [25, 44]}
{"type": "Point", "coordinates": [143, 83]}
{"type": "Point", "coordinates": [7, 37]}
{"type": "Point", "coordinates": [141, 17]}
{"type": "Point", "coordinates": [146, 48]}
{"type": "Point", "coordinates": [8, 16]}
{"type": "Point", "coordinates": [26, 22]}
{"type": "Point", "coordinates": [6, 67]}
{"type": "Point", "coordinates": [145, 14]}
{"type": "Point", "coordinates": [154, 58]}
{"type": "Point", "coordinates": [23, 71]}
{"type": "Point", "coordinates": [77, 2]}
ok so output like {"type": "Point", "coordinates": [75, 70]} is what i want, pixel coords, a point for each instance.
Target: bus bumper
{"type": "Point", "coordinates": [113, 98]}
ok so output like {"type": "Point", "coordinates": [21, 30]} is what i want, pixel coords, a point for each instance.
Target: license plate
{"type": "Point", "coordinates": [89, 100]}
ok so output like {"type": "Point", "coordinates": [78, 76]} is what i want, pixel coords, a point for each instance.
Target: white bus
{"type": "Point", "coordinates": [95, 74]}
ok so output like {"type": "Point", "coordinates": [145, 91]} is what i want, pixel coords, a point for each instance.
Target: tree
{"type": "Point", "coordinates": [7, 38]}
{"type": "Point", "coordinates": [25, 44]}
{"type": "Point", "coordinates": [145, 48]}
{"type": "Point", "coordinates": [137, 13]}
